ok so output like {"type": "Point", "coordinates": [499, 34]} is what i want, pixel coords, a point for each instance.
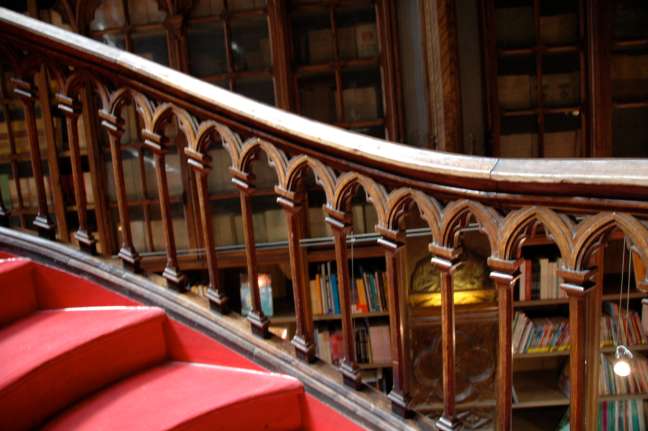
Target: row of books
{"type": "Point", "coordinates": [368, 293]}
{"type": "Point", "coordinates": [372, 343]}
{"type": "Point", "coordinates": [619, 415]}
{"type": "Point", "coordinates": [621, 327]}
{"type": "Point", "coordinates": [359, 41]}
{"type": "Point", "coordinates": [545, 283]}
{"type": "Point", "coordinates": [635, 383]}
{"type": "Point", "coordinates": [539, 335]}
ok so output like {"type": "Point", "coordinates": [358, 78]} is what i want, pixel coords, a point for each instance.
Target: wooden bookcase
{"type": "Point", "coordinates": [535, 78]}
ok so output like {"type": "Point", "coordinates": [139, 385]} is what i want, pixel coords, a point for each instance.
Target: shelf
{"type": "Point", "coordinates": [328, 317]}
{"type": "Point", "coordinates": [563, 301]}
{"type": "Point", "coordinates": [570, 110]}
{"type": "Point", "coordinates": [630, 105]}
{"type": "Point", "coordinates": [507, 52]}
{"type": "Point", "coordinates": [623, 397]}
{"type": "Point", "coordinates": [630, 43]}
{"type": "Point", "coordinates": [372, 366]}
{"type": "Point", "coordinates": [538, 389]}
{"type": "Point", "coordinates": [313, 69]}
{"type": "Point", "coordinates": [541, 354]}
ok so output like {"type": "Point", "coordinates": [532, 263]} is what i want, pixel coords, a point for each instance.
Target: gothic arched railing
{"type": "Point", "coordinates": [577, 202]}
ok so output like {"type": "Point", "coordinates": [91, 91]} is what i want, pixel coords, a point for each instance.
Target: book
{"type": "Point", "coordinates": [380, 344]}
{"type": "Point", "coordinates": [320, 46]}
{"type": "Point", "coordinates": [514, 91]}
{"type": "Point", "coordinates": [360, 104]}
{"type": "Point", "coordinates": [276, 228]}
{"type": "Point", "coordinates": [366, 40]}
{"type": "Point", "coordinates": [316, 296]}
{"type": "Point", "coordinates": [265, 293]}
{"type": "Point", "coordinates": [224, 229]}
{"type": "Point", "coordinates": [559, 29]}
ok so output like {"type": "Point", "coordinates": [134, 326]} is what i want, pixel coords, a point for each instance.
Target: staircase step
{"type": "Point", "coordinates": [53, 358]}
{"type": "Point", "coordinates": [16, 289]}
{"type": "Point", "coordinates": [191, 396]}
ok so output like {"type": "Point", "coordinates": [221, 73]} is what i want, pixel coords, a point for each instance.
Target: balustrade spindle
{"type": "Point", "coordinates": [259, 322]}
{"type": "Point", "coordinates": [505, 275]}
{"type": "Point", "coordinates": [340, 226]}
{"type": "Point", "coordinates": [578, 286]}
{"type": "Point", "coordinates": [43, 223]}
{"type": "Point", "coordinates": [303, 339]}
{"type": "Point", "coordinates": [447, 261]}
{"type": "Point", "coordinates": [72, 110]}
{"type": "Point", "coordinates": [201, 166]}
{"type": "Point", "coordinates": [127, 253]}
{"type": "Point", "coordinates": [4, 212]}
{"type": "Point", "coordinates": [398, 322]}
{"type": "Point", "coordinates": [176, 280]}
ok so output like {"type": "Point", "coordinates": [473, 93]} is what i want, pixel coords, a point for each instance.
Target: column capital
{"type": "Point", "coordinates": [199, 162]}
{"type": "Point", "coordinates": [504, 271]}
{"type": "Point", "coordinates": [112, 123]}
{"type": "Point", "coordinates": [154, 141]}
{"type": "Point", "coordinates": [69, 106]}
{"type": "Point", "coordinates": [23, 89]}
{"type": "Point", "coordinates": [444, 258]}
{"type": "Point", "coordinates": [289, 200]}
{"type": "Point", "coordinates": [576, 283]}
{"type": "Point", "coordinates": [338, 220]}
{"type": "Point", "coordinates": [390, 239]}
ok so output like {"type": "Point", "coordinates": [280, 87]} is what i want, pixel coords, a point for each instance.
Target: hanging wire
{"type": "Point", "coordinates": [627, 316]}
{"type": "Point", "coordinates": [621, 287]}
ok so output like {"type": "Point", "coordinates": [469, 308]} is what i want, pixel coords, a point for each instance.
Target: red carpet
{"type": "Point", "coordinates": [74, 355]}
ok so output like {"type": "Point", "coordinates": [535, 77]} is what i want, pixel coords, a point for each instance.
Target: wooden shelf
{"type": "Point", "coordinates": [570, 110]}
{"type": "Point", "coordinates": [373, 366]}
{"type": "Point", "coordinates": [538, 389]}
{"type": "Point", "coordinates": [623, 397]}
{"type": "Point", "coordinates": [314, 69]}
{"type": "Point", "coordinates": [563, 49]}
{"type": "Point", "coordinates": [630, 43]}
{"type": "Point", "coordinates": [328, 317]}
{"type": "Point", "coordinates": [541, 354]}
{"type": "Point", "coordinates": [639, 104]}
{"type": "Point", "coordinates": [563, 301]}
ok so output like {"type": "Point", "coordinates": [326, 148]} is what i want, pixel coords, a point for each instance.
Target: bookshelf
{"type": "Point", "coordinates": [535, 78]}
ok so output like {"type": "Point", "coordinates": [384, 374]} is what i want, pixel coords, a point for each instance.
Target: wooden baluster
{"type": "Point", "coordinates": [43, 223]}
{"type": "Point", "coordinates": [577, 285]}
{"type": "Point", "coordinates": [201, 166]}
{"type": "Point", "coordinates": [398, 326]}
{"type": "Point", "coordinates": [4, 212]}
{"type": "Point", "coordinates": [127, 253]}
{"type": "Point", "coordinates": [446, 260]}
{"type": "Point", "coordinates": [258, 321]}
{"type": "Point", "coordinates": [505, 275]}
{"type": "Point", "coordinates": [340, 225]}
{"type": "Point", "coordinates": [303, 339]}
{"type": "Point", "coordinates": [176, 280]}
{"type": "Point", "coordinates": [72, 110]}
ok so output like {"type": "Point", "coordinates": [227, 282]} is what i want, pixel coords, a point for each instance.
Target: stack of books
{"type": "Point", "coordinates": [539, 335]}
{"type": "Point", "coordinates": [621, 415]}
{"type": "Point", "coordinates": [328, 345]}
{"type": "Point", "coordinates": [625, 328]}
{"type": "Point", "coordinates": [368, 293]}
{"type": "Point", "coordinates": [372, 343]}
{"type": "Point", "coordinates": [635, 383]}
{"type": "Point", "coordinates": [544, 283]}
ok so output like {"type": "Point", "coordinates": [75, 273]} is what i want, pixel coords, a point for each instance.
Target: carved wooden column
{"type": "Point", "coordinates": [292, 204]}
{"type": "Point", "coordinates": [127, 252]}
{"type": "Point", "coordinates": [43, 223]}
{"type": "Point", "coordinates": [578, 286]}
{"type": "Point", "coordinates": [505, 275]}
{"type": "Point", "coordinates": [398, 327]}
{"type": "Point", "coordinates": [259, 322]}
{"type": "Point", "coordinates": [447, 261]}
{"type": "Point", "coordinates": [340, 224]}
{"type": "Point", "coordinates": [72, 109]}
{"type": "Point", "coordinates": [176, 280]}
{"type": "Point", "coordinates": [201, 165]}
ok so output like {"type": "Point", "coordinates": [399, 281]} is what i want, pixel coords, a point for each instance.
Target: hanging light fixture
{"type": "Point", "coordinates": [623, 356]}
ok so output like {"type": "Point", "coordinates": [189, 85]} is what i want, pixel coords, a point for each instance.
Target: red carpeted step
{"type": "Point", "coordinates": [55, 357]}
{"type": "Point", "coordinates": [17, 293]}
{"type": "Point", "coordinates": [190, 396]}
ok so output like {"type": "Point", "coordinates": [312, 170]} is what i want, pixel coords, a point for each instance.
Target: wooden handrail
{"type": "Point", "coordinates": [578, 203]}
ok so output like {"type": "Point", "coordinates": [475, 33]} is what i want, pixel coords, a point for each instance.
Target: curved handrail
{"type": "Point", "coordinates": [586, 177]}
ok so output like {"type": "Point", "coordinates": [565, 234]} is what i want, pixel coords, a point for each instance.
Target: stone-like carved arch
{"type": "Point", "coordinates": [346, 186]}
{"type": "Point", "coordinates": [125, 95]}
{"type": "Point", "coordinates": [429, 209]}
{"type": "Point", "coordinates": [276, 158]}
{"type": "Point", "coordinates": [324, 175]}
{"type": "Point", "coordinates": [231, 141]}
{"type": "Point", "coordinates": [186, 122]}
{"type": "Point", "coordinates": [454, 215]}
{"type": "Point", "coordinates": [592, 229]}
{"type": "Point", "coordinates": [75, 81]}
{"type": "Point", "coordinates": [559, 227]}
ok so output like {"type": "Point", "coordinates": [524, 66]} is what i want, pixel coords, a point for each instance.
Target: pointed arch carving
{"type": "Point", "coordinates": [207, 133]}
{"type": "Point", "coordinates": [429, 209]}
{"type": "Point", "coordinates": [276, 158]}
{"type": "Point", "coordinates": [324, 175]}
{"type": "Point", "coordinates": [559, 227]}
{"type": "Point", "coordinates": [455, 215]}
{"type": "Point", "coordinates": [346, 187]}
{"type": "Point", "coordinates": [143, 105]}
{"type": "Point", "coordinates": [76, 80]}
{"type": "Point", "coordinates": [592, 229]}
{"type": "Point", "coordinates": [186, 122]}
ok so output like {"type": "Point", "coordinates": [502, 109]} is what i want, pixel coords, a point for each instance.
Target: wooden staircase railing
{"type": "Point", "coordinates": [578, 202]}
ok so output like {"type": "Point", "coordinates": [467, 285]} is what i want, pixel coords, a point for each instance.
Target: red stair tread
{"type": "Point", "coordinates": [16, 289]}
{"type": "Point", "coordinates": [188, 396]}
{"type": "Point", "coordinates": [62, 355]}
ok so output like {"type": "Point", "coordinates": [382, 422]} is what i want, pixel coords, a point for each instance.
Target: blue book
{"type": "Point", "coordinates": [336, 293]}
